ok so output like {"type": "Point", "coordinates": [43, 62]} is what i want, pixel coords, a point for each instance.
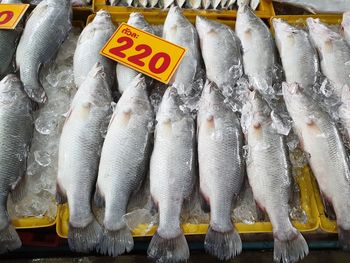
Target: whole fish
{"type": "Point", "coordinates": [8, 43]}
{"type": "Point", "coordinates": [298, 55]}
{"type": "Point", "coordinates": [90, 42]}
{"type": "Point", "coordinates": [46, 29]}
{"type": "Point", "coordinates": [328, 157]}
{"type": "Point", "coordinates": [171, 177]}
{"type": "Point", "coordinates": [178, 30]}
{"type": "Point", "coordinates": [79, 157]}
{"type": "Point", "coordinates": [346, 26]}
{"type": "Point", "coordinates": [269, 173]}
{"type": "Point", "coordinates": [223, 67]}
{"type": "Point", "coordinates": [256, 36]}
{"type": "Point", "coordinates": [16, 133]}
{"type": "Point", "coordinates": [124, 159]}
{"type": "Point", "coordinates": [320, 6]}
{"type": "Point", "coordinates": [221, 170]}
{"type": "Point", "coordinates": [126, 75]}
{"type": "Point", "coordinates": [334, 55]}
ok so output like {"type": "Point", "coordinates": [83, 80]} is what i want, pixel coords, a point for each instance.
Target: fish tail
{"type": "Point", "coordinates": [168, 249]}
{"type": "Point", "coordinates": [223, 245]}
{"type": "Point", "coordinates": [291, 250]}
{"type": "Point", "coordinates": [84, 239]}
{"type": "Point", "coordinates": [116, 242]}
{"type": "Point", "coordinates": [9, 239]}
{"type": "Point", "coordinates": [344, 238]}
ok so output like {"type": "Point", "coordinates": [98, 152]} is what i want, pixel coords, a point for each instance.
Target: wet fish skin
{"type": "Point", "coordinates": [256, 36]}
{"type": "Point", "coordinates": [8, 43]}
{"type": "Point", "coordinates": [346, 27]}
{"type": "Point", "coordinates": [221, 170]}
{"type": "Point", "coordinates": [79, 156]}
{"type": "Point", "coordinates": [46, 29]}
{"type": "Point", "coordinates": [172, 177]}
{"type": "Point", "coordinates": [269, 174]}
{"type": "Point", "coordinates": [298, 55]}
{"type": "Point", "coordinates": [328, 158]}
{"type": "Point", "coordinates": [177, 29]}
{"type": "Point", "coordinates": [124, 159]}
{"type": "Point", "coordinates": [320, 6]}
{"type": "Point", "coordinates": [15, 138]}
{"type": "Point", "coordinates": [126, 75]}
{"type": "Point", "coordinates": [90, 42]}
{"type": "Point", "coordinates": [225, 67]}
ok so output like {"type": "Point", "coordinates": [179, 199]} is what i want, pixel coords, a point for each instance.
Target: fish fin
{"type": "Point", "coordinates": [9, 239]}
{"type": "Point", "coordinates": [18, 189]}
{"type": "Point", "coordinates": [115, 243]}
{"type": "Point", "coordinates": [344, 238]}
{"type": "Point", "coordinates": [99, 199]}
{"type": "Point", "coordinates": [204, 202]}
{"type": "Point", "coordinates": [224, 245]}
{"type": "Point", "coordinates": [61, 197]}
{"type": "Point", "coordinates": [37, 94]}
{"type": "Point", "coordinates": [168, 250]}
{"type": "Point", "coordinates": [84, 239]}
{"type": "Point", "coordinates": [291, 250]}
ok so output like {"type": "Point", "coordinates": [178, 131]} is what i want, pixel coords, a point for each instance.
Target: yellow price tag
{"type": "Point", "coordinates": [144, 52]}
{"type": "Point", "coordinates": [11, 14]}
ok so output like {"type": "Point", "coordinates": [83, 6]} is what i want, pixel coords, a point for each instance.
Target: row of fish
{"type": "Point", "coordinates": [320, 6]}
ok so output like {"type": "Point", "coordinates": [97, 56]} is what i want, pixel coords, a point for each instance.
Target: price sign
{"type": "Point", "coordinates": [11, 14]}
{"type": "Point", "coordinates": [144, 52]}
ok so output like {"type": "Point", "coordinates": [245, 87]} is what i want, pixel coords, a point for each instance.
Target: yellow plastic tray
{"type": "Point", "coordinates": [264, 10]}
{"type": "Point", "coordinates": [308, 204]}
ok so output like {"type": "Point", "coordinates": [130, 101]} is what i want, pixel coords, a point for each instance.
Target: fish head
{"type": "Point", "coordinates": [204, 26]}
{"type": "Point", "coordinates": [11, 89]}
{"type": "Point", "coordinates": [135, 97]}
{"type": "Point", "coordinates": [174, 19]}
{"type": "Point", "coordinates": [245, 15]}
{"type": "Point", "coordinates": [102, 17]}
{"type": "Point", "coordinates": [284, 32]}
{"type": "Point", "coordinates": [138, 20]}
{"type": "Point", "coordinates": [170, 108]}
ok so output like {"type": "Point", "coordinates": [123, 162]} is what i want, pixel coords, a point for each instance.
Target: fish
{"type": "Point", "coordinates": [320, 6]}
{"type": "Point", "coordinates": [270, 176]}
{"type": "Point", "coordinates": [143, 3]}
{"type": "Point", "coordinates": [123, 164]}
{"type": "Point", "coordinates": [215, 4]}
{"type": "Point", "coordinates": [206, 4]}
{"type": "Point", "coordinates": [172, 177]}
{"type": "Point", "coordinates": [79, 156]}
{"type": "Point", "coordinates": [87, 53]}
{"type": "Point", "coordinates": [180, 3]}
{"type": "Point", "coordinates": [153, 3]}
{"type": "Point", "coordinates": [165, 4]}
{"type": "Point", "coordinates": [298, 55]}
{"type": "Point", "coordinates": [46, 29]}
{"type": "Point", "coordinates": [230, 3]}
{"type": "Point", "coordinates": [8, 43]}
{"type": "Point", "coordinates": [221, 170]}
{"type": "Point", "coordinates": [178, 30]}
{"type": "Point", "coordinates": [334, 55]}
{"type": "Point", "coordinates": [224, 67]}
{"type": "Point", "coordinates": [328, 159]}
{"type": "Point", "coordinates": [194, 4]}
{"type": "Point", "coordinates": [346, 27]}
{"type": "Point", "coordinates": [252, 3]}
{"type": "Point", "coordinates": [126, 75]}
{"type": "Point", "coordinates": [15, 139]}
{"type": "Point", "coordinates": [256, 36]}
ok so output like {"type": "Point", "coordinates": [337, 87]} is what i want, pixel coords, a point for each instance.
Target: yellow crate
{"type": "Point", "coordinates": [308, 204]}
{"type": "Point", "coordinates": [264, 10]}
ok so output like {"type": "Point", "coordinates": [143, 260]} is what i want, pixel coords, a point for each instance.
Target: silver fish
{"type": "Point", "coordinates": [221, 170]}
{"type": "Point", "coordinates": [252, 3]}
{"type": "Point", "coordinates": [328, 157]}
{"type": "Point", "coordinates": [46, 29]}
{"type": "Point", "coordinates": [171, 177]}
{"type": "Point", "coordinates": [79, 156]}
{"type": "Point", "coordinates": [194, 4]}
{"type": "Point", "coordinates": [269, 173]}
{"type": "Point", "coordinates": [180, 3]}
{"type": "Point", "coordinates": [215, 4]}
{"type": "Point", "coordinates": [256, 36]}
{"type": "Point", "coordinates": [346, 27]}
{"type": "Point", "coordinates": [126, 75]}
{"type": "Point", "coordinates": [334, 55]}
{"type": "Point", "coordinates": [124, 159]}
{"type": "Point", "coordinates": [320, 6]}
{"type": "Point", "coordinates": [16, 133]}
{"type": "Point", "coordinates": [8, 43]}
{"type": "Point", "coordinates": [230, 3]}
{"type": "Point", "coordinates": [153, 3]}
{"type": "Point", "coordinates": [91, 41]}
{"type": "Point", "coordinates": [298, 55]}
{"type": "Point", "coordinates": [223, 67]}
{"type": "Point", "coordinates": [206, 4]}
{"type": "Point", "coordinates": [165, 4]}
{"type": "Point", "coordinates": [177, 29]}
